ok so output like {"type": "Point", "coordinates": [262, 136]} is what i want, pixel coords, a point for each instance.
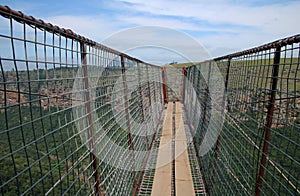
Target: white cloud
{"type": "Point", "coordinates": [254, 25]}
{"type": "Point", "coordinates": [219, 11]}
{"type": "Point", "coordinates": [143, 38]}
{"type": "Point", "coordinates": [172, 23]}
{"type": "Point", "coordinates": [233, 26]}
{"type": "Point", "coordinates": [219, 45]}
{"type": "Point", "coordinates": [95, 27]}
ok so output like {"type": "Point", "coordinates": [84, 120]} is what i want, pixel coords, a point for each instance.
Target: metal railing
{"type": "Point", "coordinates": [60, 96]}
{"type": "Point", "coordinates": [257, 151]}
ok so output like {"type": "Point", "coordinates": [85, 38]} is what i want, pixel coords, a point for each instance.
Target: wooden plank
{"type": "Point", "coordinates": [183, 175]}
{"type": "Point", "coordinates": [163, 173]}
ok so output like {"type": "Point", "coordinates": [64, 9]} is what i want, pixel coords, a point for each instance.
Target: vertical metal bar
{"type": "Point", "coordinates": [149, 89]}
{"type": "Point", "coordinates": [140, 90]}
{"type": "Point", "coordinates": [129, 137]}
{"type": "Point", "coordinates": [164, 84]}
{"type": "Point", "coordinates": [159, 75]}
{"type": "Point", "coordinates": [187, 104]}
{"type": "Point", "coordinates": [138, 180]}
{"type": "Point", "coordinates": [192, 107]}
{"type": "Point", "coordinates": [173, 182]}
{"type": "Point", "coordinates": [183, 85]}
{"type": "Point", "coordinates": [130, 144]}
{"type": "Point", "coordinates": [186, 91]}
{"type": "Point", "coordinates": [226, 84]}
{"type": "Point", "coordinates": [224, 102]}
{"type": "Point", "coordinates": [207, 98]}
{"type": "Point", "coordinates": [274, 80]}
{"type": "Point", "coordinates": [154, 85]}
{"type": "Point", "coordinates": [190, 93]}
{"type": "Point", "coordinates": [89, 118]}
{"type": "Point", "coordinates": [204, 118]}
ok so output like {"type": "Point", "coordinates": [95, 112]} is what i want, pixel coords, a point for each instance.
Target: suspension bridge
{"type": "Point", "coordinates": [79, 118]}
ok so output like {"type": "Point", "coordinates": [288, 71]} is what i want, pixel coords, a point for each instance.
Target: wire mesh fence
{"type": "Point", "coordinates": [62, 98]}
{"type": "Point", "coordinates": [257, 151]}
{"type": "Point", "coordinates": [174, 83]}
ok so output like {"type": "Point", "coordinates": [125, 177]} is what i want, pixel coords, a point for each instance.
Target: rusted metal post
{"type": "Point", "coordinates": [154, 91]}
{"type": "Point", "coordinates": [197, 84]}
{"type": "Point", "coordinates": [191, 101]}
{"type": "Point", "coordinates": [274, 80]}
{"type": "Point", "coordinates": [161, 98]}
{"type": "Point", "coordinates": [89, 119]}
{"type": "Point", "coordinates": [164, 84]}
{"type": "Point", "coordinates": [184, 82]}
{"type": "Point", "coordinates": [126, 109]}
{"type": "Point", "coordinates": [226, 83]}
{"type": "Point", "coordinates": [126, 105]}
{"type": "Point", "coordinates": [138, 180]}
{"type": "Point", "coordinates": [149, 89]}
{"type": "Point", "coordinates": [187, 106]}
{"type": "Point", "coordinates": [207, 93]}
{"type": "Point", "coordinates": [187, 93]}
{"type": "Point", "coordinates": [140, 89]}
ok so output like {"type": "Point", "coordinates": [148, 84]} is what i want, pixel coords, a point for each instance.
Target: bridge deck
{"type": "Point", "coordinates": [162, 184]}
{"type": "Point", "coordinates": [183, 174]}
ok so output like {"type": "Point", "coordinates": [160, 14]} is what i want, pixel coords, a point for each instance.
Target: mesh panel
{"type": "Point", "coordinates": [258, 148]}
{"type": "Point", "coordinates": [63, 98]}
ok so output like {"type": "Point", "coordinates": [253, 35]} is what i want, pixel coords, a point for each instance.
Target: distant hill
{"type": "Point", "coordinates": [180, 65]}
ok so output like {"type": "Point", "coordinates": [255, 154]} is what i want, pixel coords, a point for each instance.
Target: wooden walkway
{"type": "Point", "coordinates": [163, 183]}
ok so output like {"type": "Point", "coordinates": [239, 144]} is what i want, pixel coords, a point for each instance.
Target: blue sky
{"type": "Point", "coordinates": [220, 26]}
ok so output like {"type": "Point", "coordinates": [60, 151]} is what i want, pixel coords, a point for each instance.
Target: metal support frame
{"type": "Point", "coordinates": [89, 119]}
{"type": "Point", "coordinates": [126, 105]}
{"type": "Point", "coordinates": [274, 80]}
{"type": "Point", "coordinates": [149, 88]}
{"type": "Point", "coordinates": [184, 69]}
{"type": "Point", "coordinates": [164, 84]}
{"type": "Point", "coordinates": [226, 84]}
{"type": "Point", "coordinates": [198, 82]}
{"type": "Point", "coordinates": [130, 144]}
{"type": "Point", "coordinates": [137, 182]}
